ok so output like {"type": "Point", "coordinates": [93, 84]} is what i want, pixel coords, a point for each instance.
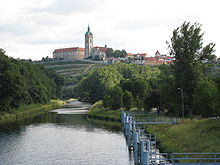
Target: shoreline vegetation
{"type": "Point", "coordinates": [98, 112]}
{"type": "Point", "coordinates": [31, 110]}
{"type": "Point", "coordinates": [197, 135]}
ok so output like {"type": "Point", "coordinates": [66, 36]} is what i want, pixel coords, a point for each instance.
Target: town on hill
{"type": "Point", "coordinates": [108, 55]}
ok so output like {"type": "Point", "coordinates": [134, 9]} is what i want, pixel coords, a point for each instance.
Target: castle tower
{"type": "Point", "coordinates": [88, 43]}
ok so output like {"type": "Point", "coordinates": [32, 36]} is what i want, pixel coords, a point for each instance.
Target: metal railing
{"type": "Point", "coordinates": [144, 144]}
{"type": "Point", "coordinates": [186, 158]}
{"type": "Point", "coordinates": [157, 120]}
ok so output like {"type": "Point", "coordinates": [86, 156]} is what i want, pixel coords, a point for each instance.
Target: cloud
{"type": "Point", "coordinates": [40, 26]}
{"type": "Point", "coordinates": [16, 28]}
{"type": "Point", "coordinates": [68, 6]}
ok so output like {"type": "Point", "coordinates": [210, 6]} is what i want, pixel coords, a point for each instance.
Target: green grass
{"type": "Point", "coordinates": [97, 111]}
{"type": "Point", "coordinates": [190, 136]}
{"type": "Point", "coordinates": [27, 111]}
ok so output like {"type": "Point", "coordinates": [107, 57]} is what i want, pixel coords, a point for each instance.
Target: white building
{"type": "Point", "coordinates": [98, 53]}
{"type": "Point", "coordinates": [69, 53]}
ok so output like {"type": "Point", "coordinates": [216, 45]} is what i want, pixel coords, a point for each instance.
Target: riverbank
{"type": "Point", "coordinates": [27, 111]}
{"type": "Point", "coordinates": [189, 136]}
{"type": "Point", "coordinates": [98, 112]}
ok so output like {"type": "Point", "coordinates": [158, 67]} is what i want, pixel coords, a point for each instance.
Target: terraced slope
{"type": "Point", "coordinates": [73, 68]}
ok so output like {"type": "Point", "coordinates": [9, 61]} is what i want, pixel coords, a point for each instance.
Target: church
{"type": "Point", "coordinates": [76, 53]}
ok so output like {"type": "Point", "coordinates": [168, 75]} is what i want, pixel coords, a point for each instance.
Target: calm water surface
{"type": "Point", "coordinates": [61, 139]}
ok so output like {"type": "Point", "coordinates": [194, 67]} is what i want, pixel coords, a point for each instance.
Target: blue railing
{"type": "Point", "coordinates": [144, 147]}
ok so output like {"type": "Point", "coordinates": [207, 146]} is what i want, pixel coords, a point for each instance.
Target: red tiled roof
{"type": "Point", "coordinates": [69, 49]}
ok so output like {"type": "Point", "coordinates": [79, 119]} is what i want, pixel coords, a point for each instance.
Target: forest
{"type": "Point", "coordinates": [23, 83]}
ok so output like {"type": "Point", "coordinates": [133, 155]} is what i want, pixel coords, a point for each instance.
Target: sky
{"type": "Point", "coordinates": [32, 29]}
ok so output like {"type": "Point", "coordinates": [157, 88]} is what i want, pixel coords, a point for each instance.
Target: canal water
{"type": "Point", "coordinates": [62, 137]}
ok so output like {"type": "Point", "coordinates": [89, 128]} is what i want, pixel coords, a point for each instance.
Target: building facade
{"type": "Point", "coordinates": [99, 53]}
{"type": "Point", "coordinates": [74, 53]}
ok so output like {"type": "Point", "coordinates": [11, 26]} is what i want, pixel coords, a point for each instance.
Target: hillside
{"type": "Point", "coordinates": [73, 68]}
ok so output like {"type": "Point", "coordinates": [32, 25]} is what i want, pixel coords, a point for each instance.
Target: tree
{"type": "Point", "coordinates": [117, 53]}
{"type": "Point", "coordinates": [23, 83]}
{"type": "Point", "coordinates": [123, 53]}
{"type": "Point", "coordinates": [139, 102]}
{"type": "Point", "coordinates": [187, 48]}
{"type": "Point", "coordinates": [153, 100]}
{"type": "Point", "coordinates": [109, 52]}
{"type": "Point", "coordinates": [98, 84]}
{"type": "Point", "coordinates": [205, 98]}
{"type": "Point", "coordinates": [107, 101]}
{"type": "Point", "coordinates": [116, 95]}
{"type": "Point", "coordinates": [127, 100]}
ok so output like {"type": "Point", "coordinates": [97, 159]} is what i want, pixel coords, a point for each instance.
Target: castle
{"type": "Point", "coordinates": [76, 53]}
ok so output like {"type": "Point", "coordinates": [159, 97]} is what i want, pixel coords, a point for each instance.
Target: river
{"type": "Point", "coordinates": [62, 137]}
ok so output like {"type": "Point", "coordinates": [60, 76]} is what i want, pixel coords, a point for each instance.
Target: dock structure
{"type": "Point", "coordinates": [143, 144]}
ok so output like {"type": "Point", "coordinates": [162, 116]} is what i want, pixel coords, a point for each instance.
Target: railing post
{"type": "Point", "coordinates": [148, 145]}
{"type": "Point", "coordinates": [122, 117]}
{"type": "Point", "coordinates": [135, 139]}
{"type": "Point", "coordinates": [123, 120]}
{"type": "Point", "coordinates": [127, 126]}
{"type": "Point", "coordinates": [129, 132]}
{"type": "Point", "coordinates": [141, 151]}
{"type": "Point", "coordinates": [147, 153]}
{"type": "Point", "coordinates": [146, 158]}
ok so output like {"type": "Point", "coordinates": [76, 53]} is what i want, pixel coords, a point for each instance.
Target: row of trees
{"type": "Point", "coordinates": [131, 93]}
{"type": "Point", "coordinates": [25, 83]}
{"type": "Point", "coordinates": [116, 53]}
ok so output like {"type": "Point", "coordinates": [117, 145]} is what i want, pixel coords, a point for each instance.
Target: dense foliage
{"type": "Point", "coordinates": [116, 53]}
{"type": "Point", "coordinates": [189, 71]}
{"type": "Point", "coordinates": [25, 83]}
{"type": "Point", "coordinates": [118, 85]}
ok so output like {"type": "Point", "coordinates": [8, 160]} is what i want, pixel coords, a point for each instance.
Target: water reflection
{"type": "Point", "coordinates": [53, 139]}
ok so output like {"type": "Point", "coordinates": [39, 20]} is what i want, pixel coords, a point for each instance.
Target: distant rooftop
{"type": "Point", "coordinates": [68, 49]}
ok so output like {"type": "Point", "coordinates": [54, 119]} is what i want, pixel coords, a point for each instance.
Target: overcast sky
{"type": "Point", "coordinates": [32, 29]}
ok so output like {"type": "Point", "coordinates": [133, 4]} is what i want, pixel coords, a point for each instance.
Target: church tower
{"type": "Point", "coordinates": [88, 43]}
